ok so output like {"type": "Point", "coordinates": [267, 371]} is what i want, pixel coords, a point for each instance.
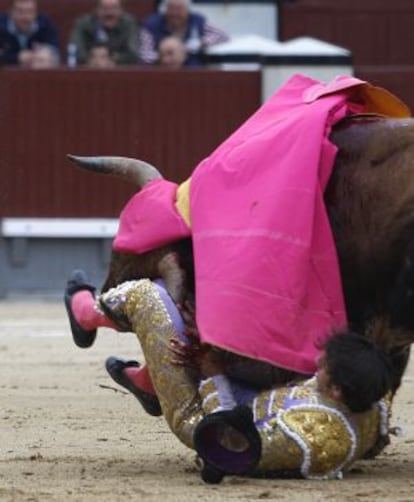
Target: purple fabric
{"type": "Point", "coordinates": [173, 312]}
{"type": "Point", "coordinates": [218, 456]}
{"type": "Point", "coordinates": [241, 393]}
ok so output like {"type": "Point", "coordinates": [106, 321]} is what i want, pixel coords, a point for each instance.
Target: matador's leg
{"type": "Point", "coordinates": [85, 318]}
{"type": "Point", "coordinates": [229, 430]}
{"type": "Point", "coordinates": [177, 387]}
{"type": "Point", "coordinates": [291, 429]}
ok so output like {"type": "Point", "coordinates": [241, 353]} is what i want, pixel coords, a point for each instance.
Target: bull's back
{"type": "Point", "coordinates": [370, 202]}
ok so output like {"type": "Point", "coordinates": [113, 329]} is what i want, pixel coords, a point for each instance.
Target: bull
{"type": "Point", "coordinates": [370, 204]}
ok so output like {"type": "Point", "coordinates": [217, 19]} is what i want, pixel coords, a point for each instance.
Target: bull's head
{"type": "Point", "coordinates": [163, 262]}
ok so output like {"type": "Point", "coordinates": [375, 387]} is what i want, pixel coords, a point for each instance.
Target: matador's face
{"type": "Point", "coordinates": [322, 375]}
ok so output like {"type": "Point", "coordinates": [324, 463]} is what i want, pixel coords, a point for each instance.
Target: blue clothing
{"type": "Point", "coordinates": [156, 24]}
{"type": "Point", "coordinates": [12, 41]}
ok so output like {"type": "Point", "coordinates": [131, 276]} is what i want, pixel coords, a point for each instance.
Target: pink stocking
{"type": "Point", "coordinates": [140, 378]}
{"type": "Point", "coordinates": [89, 317]}
{"type": "Point", "coordinates": [86, 313]}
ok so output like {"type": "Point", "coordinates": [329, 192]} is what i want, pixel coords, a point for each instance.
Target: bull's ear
{"type": "Point", "coordinates": [131, 170]}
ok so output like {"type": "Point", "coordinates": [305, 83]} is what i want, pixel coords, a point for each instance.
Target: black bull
{"type": "Point", "coordinates": [370, 203]}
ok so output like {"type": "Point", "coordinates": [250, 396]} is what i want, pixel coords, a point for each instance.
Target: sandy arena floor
{"type": "Point", "coordinates": [68, 434]}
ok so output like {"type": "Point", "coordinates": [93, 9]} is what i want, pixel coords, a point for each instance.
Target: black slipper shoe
{"type": "Point", "coordinates": [115, 367]}
{"type": "Point", "coordinates": [78, 282]}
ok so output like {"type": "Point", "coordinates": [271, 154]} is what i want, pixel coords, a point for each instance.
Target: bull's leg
{"type": "Point", "coordinates": [123, 267]}
{"type": "Point", "coordinates": [401, 308]}
{"type": "Point", "coordinates": [401, 299]}
{"type": "Point", "coordinates": [399, 362]}
{"type": "Point", "coordinates": [173, 275]}
{"type": "Point", "coordinates": [161, 263]}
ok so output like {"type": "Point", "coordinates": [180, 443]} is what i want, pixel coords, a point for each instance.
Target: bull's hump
{"type": "Point", "coordinates": [375, 138]}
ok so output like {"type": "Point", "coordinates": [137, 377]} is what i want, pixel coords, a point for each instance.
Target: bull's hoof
{"type": "Point", "coordinates": [115, 367]}
{"type": "Point", "coordinates": [78, 282]}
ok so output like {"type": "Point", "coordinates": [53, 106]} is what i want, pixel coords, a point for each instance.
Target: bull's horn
{"type": "Point", "coordinates": [133, 170]}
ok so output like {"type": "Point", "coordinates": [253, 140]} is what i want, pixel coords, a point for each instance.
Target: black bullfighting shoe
{"type": "Point", "coordinates": [78, 282]}
{"type": "Point", "coordinates": [115, 367]}
{"type": "Point", "coordinates": [228, 442]}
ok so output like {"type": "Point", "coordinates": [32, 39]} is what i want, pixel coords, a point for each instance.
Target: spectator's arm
{"type": "Point", "coordinates": [213, 36]}
{"type": "Point", "coordinates": [147, 51]}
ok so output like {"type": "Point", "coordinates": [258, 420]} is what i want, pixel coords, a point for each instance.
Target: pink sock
{"type": "Point", "coordinates": [89, 318]}
{"type": "Point", "coordinates": [83, 308]}
{"type": "Point", "coordinates": [140, 377]}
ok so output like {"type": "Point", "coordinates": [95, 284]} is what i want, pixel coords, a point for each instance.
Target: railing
{"type": "Point", "coordinates": [170, 119]}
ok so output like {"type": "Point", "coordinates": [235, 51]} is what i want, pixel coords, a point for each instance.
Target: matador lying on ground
{"type": "Point", "coordinates": [316, 428]}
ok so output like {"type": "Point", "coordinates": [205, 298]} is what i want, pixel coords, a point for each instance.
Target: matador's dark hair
{"type": "Point", "coordinates": [361, 370]}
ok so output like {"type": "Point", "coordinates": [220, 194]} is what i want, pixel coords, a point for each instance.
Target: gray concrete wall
{"type": "Point", "coordinates": [33, 266]}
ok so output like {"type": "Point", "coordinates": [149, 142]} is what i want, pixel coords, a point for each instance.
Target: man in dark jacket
{"type": "Point", "coordinates": [108, 25]}
{"type": "Point", "coordinates": [177, 19]}
{"type": "Point", "coordinates": [21, 30]}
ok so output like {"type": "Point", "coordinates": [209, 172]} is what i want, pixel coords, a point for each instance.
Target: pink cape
{"type": "Point", "coordinates": [267, 277]}
{"type": "Point", "coordinates": [150, 220]}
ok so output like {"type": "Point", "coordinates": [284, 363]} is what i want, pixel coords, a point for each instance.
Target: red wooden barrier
{"type": "Point", "coordinates": [170, 119]}
{"type": "Point", "coordinates": [378, 32]}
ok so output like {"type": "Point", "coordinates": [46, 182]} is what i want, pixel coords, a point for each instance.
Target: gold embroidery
{"type": "Point", "coordinates": [176, 387]}
{"type": "Point", "coordinates": [324, 434]}
{"type": "Point", "coordinates": [315, 435]}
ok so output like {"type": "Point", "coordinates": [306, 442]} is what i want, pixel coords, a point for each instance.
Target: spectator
{"type": "Point", "coordinates": [21, 29]}
{"type": "Point", "coordinates": [100, 57]}
{"type": "Point", "coordinates": [108, 25]}
{"type": "Point", "coordinates": [44, 57]}
{"type": "Point", "coordinates": [172, 53]}
{"type": "Point", "coordinates": [176, 19]}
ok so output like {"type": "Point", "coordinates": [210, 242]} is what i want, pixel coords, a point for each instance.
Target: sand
{"type": "Point", "coordinates": [68, 433]}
